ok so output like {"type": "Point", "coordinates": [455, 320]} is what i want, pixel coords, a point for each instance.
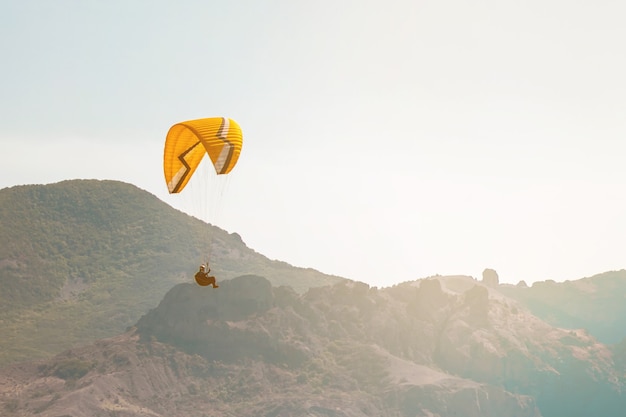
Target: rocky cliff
{"type": "Point", "coordinates": [436, 347]}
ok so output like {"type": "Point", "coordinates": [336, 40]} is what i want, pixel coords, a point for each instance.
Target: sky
{"type": "Point", "coordinates": [384, 141]}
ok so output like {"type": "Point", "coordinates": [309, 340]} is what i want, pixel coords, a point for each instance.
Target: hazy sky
{"type": "Point", "coordinates": [384, 141]}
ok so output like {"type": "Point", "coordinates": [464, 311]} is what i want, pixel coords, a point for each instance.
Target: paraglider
{"type": "Point", "coordinates": [188, 142]}
{"type": "Point", "coordinates": [186, 145]}
{"type": "Point", "coordinates": [204, 279]}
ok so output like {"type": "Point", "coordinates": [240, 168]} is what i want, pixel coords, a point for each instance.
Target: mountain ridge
{"type": "Point", "coordinates": [84, 259]}
{"type": "Point", "coordinates": [416, 349]}
{"type": "Point", "coordinates": [319, 346]}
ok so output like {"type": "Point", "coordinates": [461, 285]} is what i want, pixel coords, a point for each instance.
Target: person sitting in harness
{"type": "Point", "coordinates": [203, 278]}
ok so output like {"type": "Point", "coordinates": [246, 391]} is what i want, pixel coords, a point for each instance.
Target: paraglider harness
{"type": "Point", "coordinates": [204, 279]}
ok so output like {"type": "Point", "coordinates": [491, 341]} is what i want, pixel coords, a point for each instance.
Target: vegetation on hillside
{"type": "Point", "coordinates": [595, 303]}
{"type": "Point", "coordinates": [84, 259]}
{"type": "Point", "coordinates": [438, 346]}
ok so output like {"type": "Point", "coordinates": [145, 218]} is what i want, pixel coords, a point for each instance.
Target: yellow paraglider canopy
{"type": "Point", "coordinates": [187, 143]}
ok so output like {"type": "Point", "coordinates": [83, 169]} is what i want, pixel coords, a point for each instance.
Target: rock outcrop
{"type": "Point", "coordinates": [490, 278]}
{"type": "Point", "coordinates": [442, 346]}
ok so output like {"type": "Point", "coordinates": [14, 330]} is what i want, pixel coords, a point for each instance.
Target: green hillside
{"type": "Point", "coordinates": [84, 259]}
{"type": "Point", "coordinates": [595, 303]}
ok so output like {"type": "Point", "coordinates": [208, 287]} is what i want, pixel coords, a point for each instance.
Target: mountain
{"type": "Point", "coordinates": [84, 263]}
{"type": "Point", "coordinates": [596, 303]}
{"type": "Point", "coordinates": [443, 346]}
{"type": "Point", "coordinates": [84, 259]}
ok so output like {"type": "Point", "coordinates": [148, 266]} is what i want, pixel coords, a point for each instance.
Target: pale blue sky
{"type": "Point", "coordinates": [384, 141]}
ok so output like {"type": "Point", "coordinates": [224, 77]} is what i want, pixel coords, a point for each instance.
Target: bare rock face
{"type": "Point", "coordinates": [443, 346]}
{"type": "Point", "coordinates": [217, 323]}
{"type": "Point", "coordinates": [463, 399]}
{"type": "Point", "coordinates": [490, 339]}
{"type": "Point", "coordinates": [234, 300]}
{"type": "Point", "coordinates": [476, 301]}
{"type": "Point", "coordinates": [490, 278]}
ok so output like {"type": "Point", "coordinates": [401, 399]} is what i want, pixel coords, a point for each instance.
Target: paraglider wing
{"type": "Point", "coordinates": [188, 142]}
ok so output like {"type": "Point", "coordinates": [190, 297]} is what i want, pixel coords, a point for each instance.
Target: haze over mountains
{"type": "Point", "coordinates": [88, 260]}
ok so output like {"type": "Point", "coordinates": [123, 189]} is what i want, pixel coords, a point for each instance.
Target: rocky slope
{"type": "Point", "coordinates": [596, 303]}
{"type": "Point", "coordinates": [436, 347]}
{"type": "Point", "coordinates": [85, 259]}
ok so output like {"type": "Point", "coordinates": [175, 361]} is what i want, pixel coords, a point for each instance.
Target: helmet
{"type": "Point", "coordinates": [201, 266]}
